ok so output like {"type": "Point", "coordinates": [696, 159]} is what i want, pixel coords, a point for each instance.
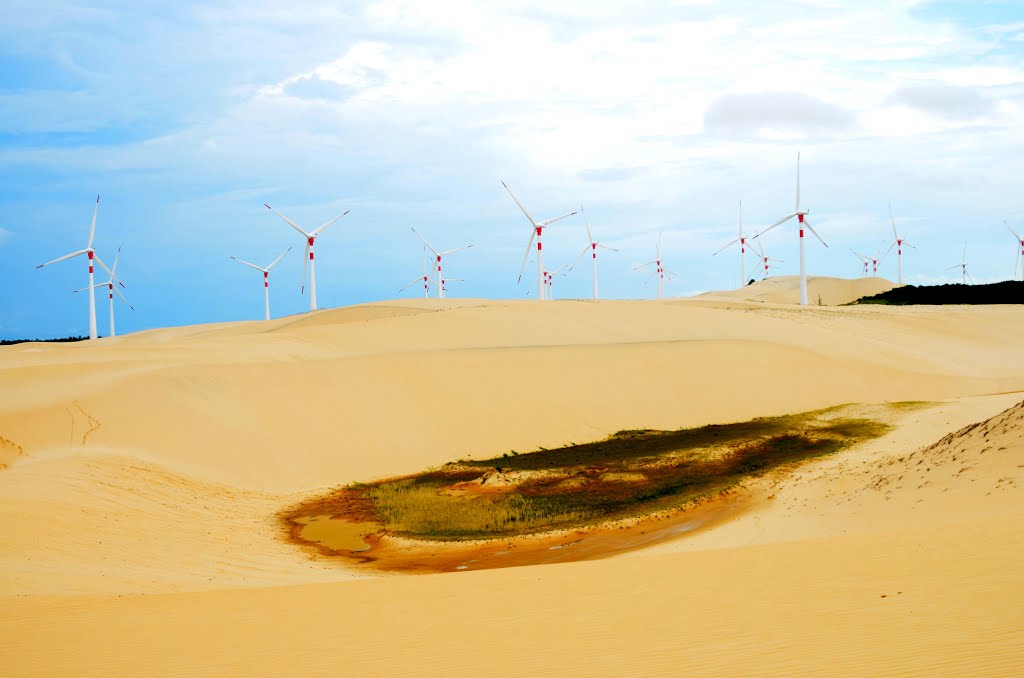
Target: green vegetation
{"type": "Point", "coordinates": [11, 342]}
{"type": "Point", "coordinates": [631, 473]}
{"type": "Point", "coordinates": [1006, 292]}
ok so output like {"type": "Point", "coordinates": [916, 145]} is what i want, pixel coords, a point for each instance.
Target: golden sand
{"type": "Point", "coordinates": [156, 463]}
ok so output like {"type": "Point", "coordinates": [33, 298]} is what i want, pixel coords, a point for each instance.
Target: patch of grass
{"type": "Point", "coordinates": [628, 474]}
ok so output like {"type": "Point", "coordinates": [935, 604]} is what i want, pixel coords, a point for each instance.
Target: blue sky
{"type": "Point", "coordinates": [656, 117]}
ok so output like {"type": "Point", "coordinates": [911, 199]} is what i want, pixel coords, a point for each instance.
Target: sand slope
{"type": "Point", "coordinates": [821, 290]}
{"type": "Point", "coordinates": [153, 463]}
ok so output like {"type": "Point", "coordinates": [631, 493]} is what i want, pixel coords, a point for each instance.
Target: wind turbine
{"type": "Point", "coordinates": [91, 252]}
{"type": "Point", "coordinates": [874, 260]}
{"type": "Point", "coordinates": [425, 278]}
{"type": "Point", "coordinates": [963, 267]}
{"type": "Point", "coordinates": [1019, 258]}
{"type": "Point", "coordinates": [549, 278]}
{"type": "Point", "coordinates": [437, 262]}
{"type": "Point", "coordinates": [110, 284]}
{"type": "Point", "coordinates": [898, 243]}
{"type": "Point", "coordinates": [743, 249]}
{"type": "Point", "coordinates": [537, 231]}
{"type": "Point", "coordinates": [801, 217]}
{"type": "Point", "coordinates": [864, 260]}
{"type": "Point", "coordinates": [764, 257]}
{"type": "Point", "coordinates": [592, 246]}
{"type": "Point", "coordinates": [660, 269]}
{"type": "Point", "coordinates": [310, 238]}
{"type": "Point", "coordinates": [266, 278]}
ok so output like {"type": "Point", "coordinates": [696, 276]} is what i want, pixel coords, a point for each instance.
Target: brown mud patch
{"type": "Point", "coordinates": [382, 552]}
{"type": "Point", "coordinates": [577, 502]}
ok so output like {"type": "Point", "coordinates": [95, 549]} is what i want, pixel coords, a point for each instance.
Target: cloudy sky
{"type": "Point", "coordinates": [657, 117]}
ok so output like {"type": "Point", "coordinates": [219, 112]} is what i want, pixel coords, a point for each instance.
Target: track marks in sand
{"type": "Point", "coordinates": [9, 451]}
{"type": "Point", "coordinates": [92, 424]}
{"type": "Point", "coordinates": [988, 452]}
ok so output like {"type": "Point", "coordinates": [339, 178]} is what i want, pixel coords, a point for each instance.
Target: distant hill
{"type": "Point", "coordinates": [821, 290]}
{"type": "Point", "coordinates": [1007, 292]}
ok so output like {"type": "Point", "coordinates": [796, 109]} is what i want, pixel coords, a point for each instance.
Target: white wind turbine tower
{"type": "Point", "coordinates": [743, 249]}
{"type": "Point", "coordinates": [898, 243]}
{"type": "Point", "coordinates": [592, 246]}
{"type": "Point", "coordinates": [91, 252]}
{"type": "Point", "coordinates": [437, 262]}
{"type": "Point", "coordinates": [537, 231]}
{"type": "Point", "coordinates": [660, 269]}
{"type": "Point", "coordinates": [1018, 259]}
{"type": "Point", "coordinates": [801, 217]}
{"type": "Point", "coordinates": [266, 278]}
{"type": "Point", "coordinates": [764, 258]}
{"type": "Point", "coordinates": [110, 284]}
{"type": "Point", "coordinates": [310, 238]}
{"type": "Point", "coordinates": [425, 278]}
{"type": "Point", "coordinates": [963, 267]}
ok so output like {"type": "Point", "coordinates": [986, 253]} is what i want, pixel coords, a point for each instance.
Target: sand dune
{"type": "Point", "coordinates": [154, 463]}
{"type": "Point", "coordinates": [821, 291]}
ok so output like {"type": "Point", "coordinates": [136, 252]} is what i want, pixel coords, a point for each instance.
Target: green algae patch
{"type": "Point", "coordinates": [627, 475]}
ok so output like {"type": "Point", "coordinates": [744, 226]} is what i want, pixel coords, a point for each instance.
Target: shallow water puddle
{"type": "Point", "coordinates": [366, 546]}
{"type": "Point", "coordinates": [336, 535]}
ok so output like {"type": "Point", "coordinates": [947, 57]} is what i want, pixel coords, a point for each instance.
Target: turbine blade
{"type": "Point", "coordinates": [551, 221]}
{"type": "Point", "coordinates": [122, 297]}
{"type": "Point", "coordinates": [797, 182]}
{"type": "Point", "coordinates": [532, 222]}
{"type": "Point", "coordinates": [274, 262]}
{"type": "Point", "coordinates": [893, 219]}
{"type": "Point", "coordinates": [92, 228]}
{"type": "Point", "coordinates": [811, 229]}
{"type": "Point", "coordinates": [639, 266]}
{"type": "Point", "coordinates": [429, 246]}
{"type": "Point", "coordinates": [723, 247]}
{"type": "Point", "coordinates": [590, 238]}
{"type": "Point", "coordinates": [533, 232]}
{"type": "Point", "coordinates": [457, 249]}
{"type": "Point", "coordinates": [247, 263]}
{"type": "Point", "coordinates": [287, 220]}
{"type": "Point", "coordinates": [777, 223]}
{"type": "Point", "coordinates": [113, 269]}
{"type": "Point", "coordinates": [102, 265]}
{"type": "Point", "coordinates": [418, 279]}
{"type": "Point", "coordinates": [605, 247]}
{"type": "Point", "coordinates": [1019, 239]}
{"type": "Point", "coordinates": [66, 256]}
{"type": "Point", "coordinates": [324, 227]}
{"type": "Point", "coordinates": [305, 266]}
